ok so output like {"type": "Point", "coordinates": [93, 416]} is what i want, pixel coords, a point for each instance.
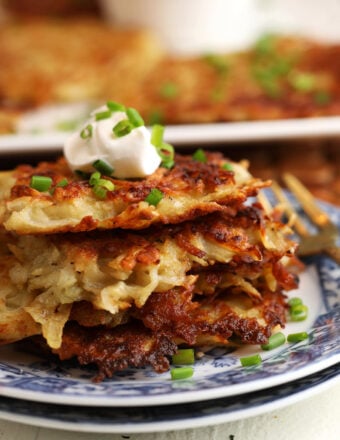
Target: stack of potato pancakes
{"type": "Point", "coordinates": [121, 281]}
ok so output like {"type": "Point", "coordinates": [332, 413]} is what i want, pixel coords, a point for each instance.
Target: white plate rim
{"type": "Point", "coordinates": [198, 134]}
{"type": "Point", "coordinates": [175, 424]}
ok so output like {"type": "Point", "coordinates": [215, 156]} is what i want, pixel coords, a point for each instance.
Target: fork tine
{"type": "Point", "coordinates": [263, 199]}
{"type": "Point", "coordinates": [326, 238]}
{"type": "Point", "coordinates": [292, 215]}
{"type": "Point", "coordinates": [316, 214]}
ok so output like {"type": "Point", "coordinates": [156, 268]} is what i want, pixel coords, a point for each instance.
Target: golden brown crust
{"type": "Point", "coordinates": [51, 60]}
{"type": "Point", "coordinates": [46, 62]}
{"type": "Point", "coordinates": [251, 86]}
{"type": "Point", "coordinates": [166, 321]}
{"type": "Point", "coordinates": [190, 189]}
{"type": "Point", "coordinates": [50, 277]}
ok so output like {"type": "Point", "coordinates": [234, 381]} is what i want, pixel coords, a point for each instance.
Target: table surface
{"type": "Point", "coordinates": [315, 418]}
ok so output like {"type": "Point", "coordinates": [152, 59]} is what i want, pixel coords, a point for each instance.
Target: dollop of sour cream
{"type": "Point", "coordinates": [131, 155]}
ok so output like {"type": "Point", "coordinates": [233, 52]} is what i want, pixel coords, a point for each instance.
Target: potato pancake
{"type": "Point", "coordinates": [278, 78]}
{"type": "Point", "coordinates": [51, 61]}
{"type": "Point", "coordinates": [191, 188]}
{"type": "Point", "coordinates": [201, 281]}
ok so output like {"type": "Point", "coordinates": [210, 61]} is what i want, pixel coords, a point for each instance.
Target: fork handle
{"type": "Point", "coordinates": [334, 253]}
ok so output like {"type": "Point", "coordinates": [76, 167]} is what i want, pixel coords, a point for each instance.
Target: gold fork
{"type": "Point", "coordinates": [323, 241]}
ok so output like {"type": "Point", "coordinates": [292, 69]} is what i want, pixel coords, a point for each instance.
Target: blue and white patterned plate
{"type": "Point", "coordinates": [168, 417]}
{"type": "Point", "coordinates": [218, 374]}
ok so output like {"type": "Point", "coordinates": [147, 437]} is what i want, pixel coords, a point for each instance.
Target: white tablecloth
{"type": "Point", "coordinates": [315, 418]}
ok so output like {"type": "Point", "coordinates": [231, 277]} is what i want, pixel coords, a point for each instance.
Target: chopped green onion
{"type": "Point", "coordinates": [303, 82]}
{"type": "Point", "coordinates": [103, 167]}
{"type": "Point", "coordinates": [67, 125]}
{"type": "Point", "coordinates": [123, 128]}
{"type": "Point", "coordinates": [218, 62]}
{"type": "Point", "coordinates": [86, 132]}
{"type": "Point", "coordinates": [181, 373]}
{"type": "Point", "coordinates": [217, 94]}
{"type": "Point", "coordinates": [62, 183]}
{"type": "Point", "coordinates": [103, 115]}
{"type": "Point", "coordinates": [168, 90]}
{"type": "Point", "coordinates": [155, 117]}
{"type": "Point", "coordinates": [99, 191]}
{"type": "Point", "coordinates": [322, 98]}
{"type": "Point", "coordinates": [134, 117]}
{"type": "Point", "coordinates": [157, 135]}
{"type": "Point", "coordinates": [295, 301]}
{"type": "Point", "coordinates": [154, 197]}
{"type": "Point", "coordinates": [269, 81]}
{"type": "Point", "coordinates": [115, 106]}
{"type": "Point", "coordinates": [107, 184]}
{"type": "Point", "coordinates": [94, 178]}
{"type": "Point", "coordinates": [274, 341]}
{"type": "Point", "coordinates": [228, 166]}
{"type": "Point", "coordinates": [200, 156]}
{"type": "Point", "coordinates": [41, 183]}
{"type": "Point", "coordinates": [184, 356]}
{"type": "Point", "coordinates": [297, 337]}
{"type": "Point", "coordinates": [281, 66]}
{"type": "Point", "coordinates": [248, 361]}
{"type": "Point", "coordinates": [298, 313]}
{"type": "Point", "coordinates": [167, 154]}
{"type": "Point", "coordinates": [100, 187]}
{"type": "Point", "coordinates": [265, 45]}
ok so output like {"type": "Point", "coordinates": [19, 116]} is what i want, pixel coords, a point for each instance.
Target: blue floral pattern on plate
{"type": "Point", "coordinates": [167, 417]}
{"type": "Point", "coordinates": [218, 374]}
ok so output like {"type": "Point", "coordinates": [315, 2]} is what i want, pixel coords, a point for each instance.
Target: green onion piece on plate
{"type": "Point", "coordinates": [249, 361]}
{"type": "Point", "coordinates": [274, 341]}
{"type": "Point", "coordinates": [123, 128]}
{"type": "Point", "coordinates": [134, 117]}
{"type": "Point", "coordinates": [184, 356]}
{"type": "Point", "coordinates": [181, 373]}
{"type": "Point", "coordinates": [297, 337]}
{"type": "Point", "coordinates": [295, 301]}
{"type": "Point", "coordinates": [41, 183]}
{"type": "Point", "coordinates": [154, 197]}
{"type": "Point", "coordinates": [298, 313]}
{"type": "Point", "coordinates": [103, 167]}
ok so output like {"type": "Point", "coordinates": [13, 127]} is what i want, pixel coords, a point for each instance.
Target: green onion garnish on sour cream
{"type": "Point", "coordinates": [115, 142]}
